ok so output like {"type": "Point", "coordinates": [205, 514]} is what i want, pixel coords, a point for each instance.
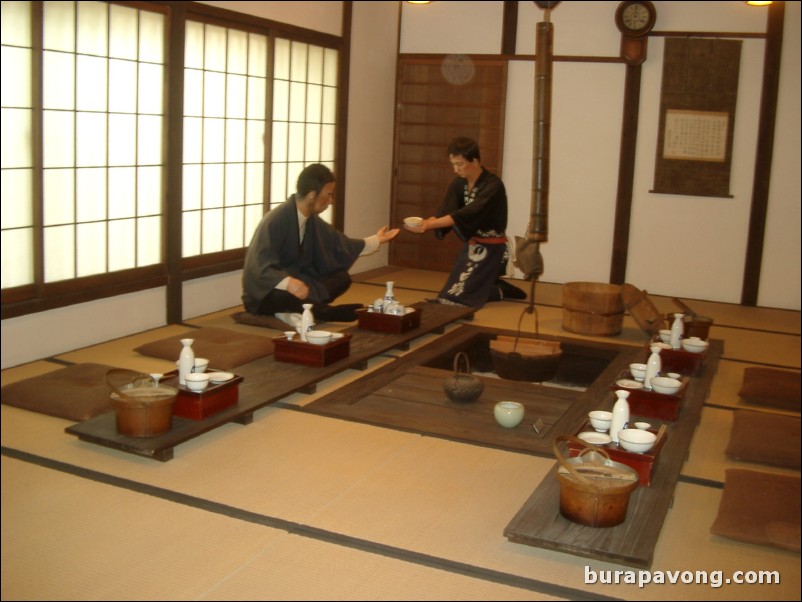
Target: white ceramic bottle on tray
{"type": "Point", "coordinates": [653, 366]}
{"type": "Point", "coordinates": [186, 360]}
{"type": "Point", "coordinates": [620, 414]}
{"type": "Point", "coordinates": [389, 296]}
{"type": "Point", "coordinates": [677, 330]}
{"type": "Point", "coordinates": [307, 321]}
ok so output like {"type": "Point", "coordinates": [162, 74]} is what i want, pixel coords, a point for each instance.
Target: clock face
{"type": "Point", "coordinates": [635, 16]}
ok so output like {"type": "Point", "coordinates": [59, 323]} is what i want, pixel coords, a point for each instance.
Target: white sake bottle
{"type": "Point", "coordinates": [620, 414]}
{"type": "Point", "coordinates": [677, 330]}
{"type": "Point", "coordinates": [186, 360]}
{"type": "Point", "coordinates": [389, 296]}
{"type": "Point", "coordinates": [653, 366]}
{"type": "Point", "coordinates": [307, 321]}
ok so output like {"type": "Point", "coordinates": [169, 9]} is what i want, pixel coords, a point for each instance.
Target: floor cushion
{"type": "Point", "coordinates": [771, 387]}
{"type": "Point", "coordinates": [765, 438]}
{"type": "Point", "coordinates": [245, 317]}
{"type": "Point", "coordinates": [225, 349]}
{"type": "Point", "coordinates": [760, 508]}
{"type": "Point", "coordinates": [78, 392]}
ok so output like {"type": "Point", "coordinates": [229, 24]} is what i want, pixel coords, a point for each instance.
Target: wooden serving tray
{"type": "Point", "coordinates": [198, 405]}
{"type": "Point", "coordinates": [372, 320]}
{"type": "Point", "coordinates": [643, 463]}
{"type": "Point", "coordinates": [683, 362]}
{"type": "Point", "coordinates": [651, 404]}
{"type": "Point", "coordinates": [309, 354]}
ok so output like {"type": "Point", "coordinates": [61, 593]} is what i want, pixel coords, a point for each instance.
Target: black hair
{"type": "Point", "coordinates": [313, 178]}
{"type": "Point", "coordinates": [466, 147]}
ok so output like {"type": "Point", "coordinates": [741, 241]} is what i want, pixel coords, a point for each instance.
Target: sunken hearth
{"type": "Point", "coordinates": [408, 394]}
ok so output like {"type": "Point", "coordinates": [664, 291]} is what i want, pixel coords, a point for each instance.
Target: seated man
{"type": "Point", "coordinates": [295, 257]}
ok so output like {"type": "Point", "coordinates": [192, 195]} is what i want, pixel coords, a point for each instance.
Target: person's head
{"type": "Point", "coordinates": [463, 153]}
{"type": "Point", "coordinates": [316, 187]}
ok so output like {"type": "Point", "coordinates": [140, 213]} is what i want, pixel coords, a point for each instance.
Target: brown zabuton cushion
{"type": "Point", "coordinates": [244, 317]}
{"type": "Point", "coordinates": [77, 392]}
{"type": "Point", "coordinates": [765, 438]}
{"type": "Point", "coordinates": [760, 508]}
{"type": "Point", "coordinates": [225, 349]}
{"type": "Point", "coordinates": [771, 387]}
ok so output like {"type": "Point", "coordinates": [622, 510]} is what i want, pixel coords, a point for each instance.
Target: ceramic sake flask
{"type": "Point", "coordinates": [462, 387]}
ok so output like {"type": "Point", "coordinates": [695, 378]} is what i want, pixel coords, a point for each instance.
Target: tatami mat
{"type": "Point", "coordinates": [728, 382]}
{"type": "Point", "coordinates": [120, 352]}
{"type": "Point", "coordinates": [28, 371]}
{"type": "Point", "coordinates": [301, 506]}
{"type": "Point", "coordinates": [706, 457]}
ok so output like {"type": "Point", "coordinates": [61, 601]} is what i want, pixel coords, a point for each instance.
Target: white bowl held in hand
{"type": "Point", "coordinates": [197, 381]}
{"type": "Point", "coordinates": [600, 420]}
{"type": "Point", "coordinates": [508, 413]}
{"type": "Point", "coordinates": [636, 440]}
{"type": "Point", "coordinates": [318, 337]}
{"type": "Point", "coordinates": [665, 385]}
{"type": "Point", "coordinates": [694, 344]}
{"type": "Point", "coordinates": [413, 222]}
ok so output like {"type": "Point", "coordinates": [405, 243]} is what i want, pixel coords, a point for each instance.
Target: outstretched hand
{"type": "Point", "coordinates": [385, 234]}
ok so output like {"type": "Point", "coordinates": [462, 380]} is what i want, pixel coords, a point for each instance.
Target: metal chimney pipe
{"type": "Point", "coordinates": [538, 228]}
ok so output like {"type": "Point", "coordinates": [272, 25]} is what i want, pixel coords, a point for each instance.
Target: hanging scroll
{"type": "Point", "coordinates": [697, 113]}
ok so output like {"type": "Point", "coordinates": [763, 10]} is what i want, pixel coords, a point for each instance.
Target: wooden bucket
{"type": "Point", "coordinates": [519, 358]}
{"type": "Point", "coordinates": [593, 308]}
{"type": "Point", "coordinates": [594, 490]}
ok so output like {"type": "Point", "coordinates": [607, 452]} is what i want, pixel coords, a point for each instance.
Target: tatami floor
{"type": "Point", "coordinates": [304, 507]}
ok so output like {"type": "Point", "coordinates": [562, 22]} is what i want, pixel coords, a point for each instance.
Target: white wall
{"type": "Point", "coordinates": [43, 334]}
{"type": "Point", "coordinates": [371, 116]}
{"type": "Point", "coordinates": [780, 273]}
{"type": "Point", "coordinates": [326, 17]}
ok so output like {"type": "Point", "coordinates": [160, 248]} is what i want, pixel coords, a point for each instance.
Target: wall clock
{"type": "Point", "coordinates": [635, 19]}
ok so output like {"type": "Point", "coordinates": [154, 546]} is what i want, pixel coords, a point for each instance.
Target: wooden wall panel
{"type": "Point", "coordinates": [440, 98]}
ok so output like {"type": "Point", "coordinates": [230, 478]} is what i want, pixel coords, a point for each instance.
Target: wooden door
{"type": "Point", "coordinates": [439, 99]}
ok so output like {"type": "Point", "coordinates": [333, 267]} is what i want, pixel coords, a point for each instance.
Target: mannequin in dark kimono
{"type": "Point", "coordinates": [475, 207]}
{"type": "Point", "coordinates": [295, 257]}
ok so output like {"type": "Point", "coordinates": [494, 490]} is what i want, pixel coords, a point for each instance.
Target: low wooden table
{"type": "Point", "coordinates": [266, 381]}
{"type": "Point", "coordinates": [539, 522]}
{"type": "Point", "coordinates": [407, 395]}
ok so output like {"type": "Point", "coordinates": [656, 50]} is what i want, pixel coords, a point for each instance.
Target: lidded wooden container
{"type": "Point", "coordinates": [593, 308]}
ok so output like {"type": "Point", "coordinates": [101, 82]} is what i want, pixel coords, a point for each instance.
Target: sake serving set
{"type": "Point", "coordinates": [387, 315]}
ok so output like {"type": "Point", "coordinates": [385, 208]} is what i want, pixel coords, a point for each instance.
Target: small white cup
{"type": "Point", "coordinates": [201, 363]}
{"type": "Point", "coordinates": [289, 334]}
{"type": "Point", "coordinates": [197, 381]}
{"type": "Point", "coordinates": [508, 413]}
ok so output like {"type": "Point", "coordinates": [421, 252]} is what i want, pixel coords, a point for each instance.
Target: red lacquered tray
{"type": "Point", "coordinates": [650, 404]}
{"type": "Point", "coordinates": [198, 405]}
{"type": "Point", "coordinates": [309, 354]}
{"type": "Point", "coordinates": [643, 463]}
{"type": "Point", "coordinates": [683, 362]}
{"type": "Point", "coordinates": [389, 323]}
